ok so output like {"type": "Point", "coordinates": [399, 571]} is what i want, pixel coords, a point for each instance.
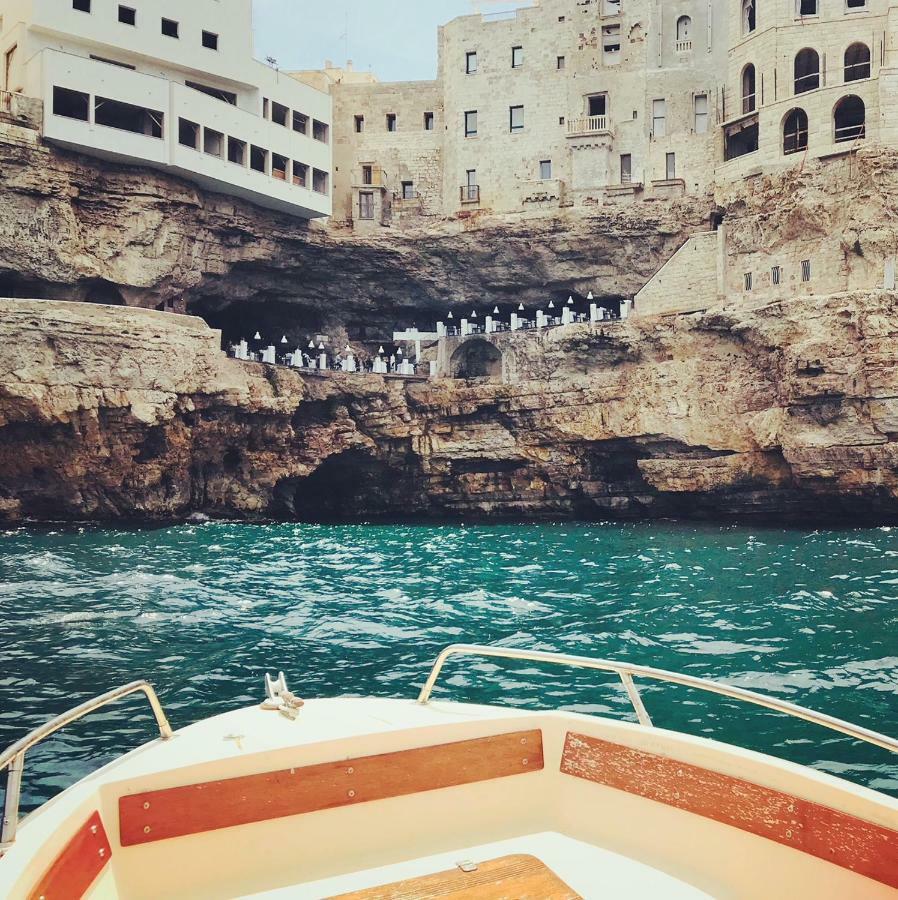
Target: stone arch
{"type": "Point", "coordinates": [857, 62]}
{"type": "Point", "coordinates": [476, 359]}
{"type": "Point", "coordinates": [807, 70]}
{"type": "Point", "coordinates": [795, 131]}
{"type": "Point", "coordinates": [849, 119]}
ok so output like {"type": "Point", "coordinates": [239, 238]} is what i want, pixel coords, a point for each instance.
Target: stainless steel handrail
{"type": "Point", "coordinates": [13, 758]}
{"type": "Point", "coordinates": [626, 673]}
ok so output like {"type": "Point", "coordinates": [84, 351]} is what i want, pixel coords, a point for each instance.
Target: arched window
{"type": "Point", "coordinates": [849, 118]}
{"type": "Point", "coordinates": [857, 62]}
{"type": "Point", "coordinates": [748, 89]}
{"type": "Point", "coordinates": [795, 131]}
{"type": "Point", "coordinates": [807, 70]}
{"type": "Point", "coordinates": [684, 28]}
{"type": "Point", "coordinates": [748, 16]}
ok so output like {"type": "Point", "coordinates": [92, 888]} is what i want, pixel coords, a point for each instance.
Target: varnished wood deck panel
{"type": "Point", "coordinates": [76, 868]}
{"type": "Point", "coordinates": [844, 840]}
{"type": "Point", "coordinates": [507, 878]}
{"type": "Point", "coordinates": [194, 808]}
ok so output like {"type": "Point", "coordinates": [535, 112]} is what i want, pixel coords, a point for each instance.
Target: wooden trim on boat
{"type": "Point", "coordinates": [522, 876]}
{"type": "Point", "coordinates": [837, 837]}
{"type": "Point", "coordinates": [76, 868]}
{"type": "Point", "coordinates": [207, 806]}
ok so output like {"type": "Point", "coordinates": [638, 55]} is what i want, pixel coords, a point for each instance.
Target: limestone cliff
{"type": "Point", "coordinates": [787, 411]}
{"type": "Point", "coordinates": [73, 227]}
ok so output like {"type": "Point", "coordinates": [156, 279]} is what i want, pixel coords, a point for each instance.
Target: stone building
{"type": "Point", "coordinates": [597, 102]}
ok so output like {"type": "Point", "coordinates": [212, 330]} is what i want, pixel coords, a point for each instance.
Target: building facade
{"type": "Point", "coordinates": [603, 102]}
{"type": "Point", "coordinates": [172, 85]}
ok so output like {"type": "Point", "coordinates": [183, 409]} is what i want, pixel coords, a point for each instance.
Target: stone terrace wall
{"type": "Point", "coordinates": [687, 282]}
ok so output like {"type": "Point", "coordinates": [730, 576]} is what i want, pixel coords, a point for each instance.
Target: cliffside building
{"type": "Point", "coordinates": [173, 85]}
{"type": "Point", "coordinates": [599, 102]}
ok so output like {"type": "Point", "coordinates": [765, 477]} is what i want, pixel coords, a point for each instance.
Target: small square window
{"type": "Point", "coordinates": [188, 134]}
{"type": "Point", "coordinates": [391, 121]}
{"type": "Point", "coordinates": [560, 63]}
{"type": "Point", "coordinates": [408, 190]}
{"type": "Point", "coordinates": [561, 120]}
{"type": "Point", "coordinates": [127, 16]}
{"type": "Point", "coordinates": [300, 122]}
{"type": "Point", "coordinates": [320, 181]}
{"type": "Point", "coordinates": [280, 115]}
{"type": "Point", "coordinates": [170, 28]}
{"type": "Point", "coordinates": [359, 124]}
{"type": "Point", "coordinates": [471, 123]}
{"type": "Point", "coordinates": [428, 121]}
{"type": "Point", "coordinates": [320, 131]}
{"type": "Point", "coordinates": [805, 270]}
{"type": "Point", "coordinates": [237, 151]}
{"type": "Point", "coordinates": [545, 169]}
{"type": "Point", "coordinates": [471, 62]}
{"type": "Point", "coordinates": [561, 18]}
{"type": "Point", "coordinates": [210, 40]}
{"type": "Point", "coordinates": [300, 174]}
{"type": "Point", "coordinates": [81, 5]}
{"type": "Point", "coordinates": [746, 281]}
{"type": "Point", "coordinates": [517, 57]}
{"type": "Point", "coordinates": [515, 118]}
{"type": "Point", "coordinates": [776, 275]}
{"type": "Point", "coordinates": [258, 159]}
{"type": "Point", "coordinates": [213, 142]}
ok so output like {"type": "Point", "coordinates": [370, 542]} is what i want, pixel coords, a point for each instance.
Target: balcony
{"type": "Point", "coordinates": [470, 193]}
{"type": "Point", "coordinates": [684, 46]}
{"type": "Point", "coordinates": [588, 125]}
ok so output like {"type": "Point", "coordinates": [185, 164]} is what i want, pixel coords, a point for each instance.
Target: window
{"type": "Point", "coordinates": [855, 4]}
{"type": "Point", "coordinates": [428, 121]}
{"type": "Point", "coordinates": [128, 117]}
{"type": "Point", "coordinates": [805, 270]}
{"type": "Point", "coordinates": [127, 16]}
{"type": "Point", "coordinates": [7, 67]}
{"type": "Point", "coordinates": [670, 166]}
{"type": "Point", "coordinates": [300, 174]}
{"type": "Point", "coordinates": [359, 124]}
{"type": "Point", "coordinates": [807, 71]}
{"type": "Point", "coordinates": [741, 138]}
{"type": "Point", "coordinates": [659, 118]}
{"type": "Point", "coordinates": [701, 113]}
{"type": "Point", "coordinates": [71, 104]}
{"type": "Point", "coordinates": [517, 57]}
{"type": "Point", "coordinates": [217, 93]}
{"type": "Point", "coordinates": [320, 131]}
{"type": "Point", "coordinates": [470, 192]}
{"type": "Point", "coordinates": [515, 119]}
{"type": "Point", "coordinates": [266, 107]}
{"type": "Point", "coordinates": [279, 114]}
{"type": "Point", "coordinates": [279, 166]}
{"type": "Point", "coordinates": [806, 7]}
{"type": "Point", "coordinates": [626, 168]}
{"type": "Point", "coordinates": [213, 142]}
{"type": "Point", "coordinates": [471, 62]}
{"type": "Point", "coordinates": [236, 151]}
{"type": "Point", "coordinates": [795, 131]}
{"type": "Point", "coordinates": [684, 34]}
{"type": "Point", "coordinates": [611, 43]}
{"type": "Point", "coordinates": [366, 205]}
{"type": "Point", "coordinates": [471, 123]}
{"type": "Point", "coordinates": [597, 105]}
{"type": "Point", "coordinates": [319, 181]}
{"type": "Point", "coordinates": [81, 5]}
{"type": "Point", "coordinates": [749, 20]}
{"type": "Point", "coordinates": [170, 28]}
{"type": "Point", "coordinates": [857, 62]}
{"type": "Point", "coordinates": [849, 118]}
{"type": "Point", "coordinates": [367, 175]}
{"type": "Point", "coordinates": [560, 63]}
{"type": "Point", "coordinates": [408, 190]}
{"type": "Point", "coordinates": [300, 122]}
{"type": "Point", "coordinates": [776, 275]}
{"type": "Point", "coordinates": [747, 281]}
{"type": "Point", "coordinates": [748, 89]}
{"type": "Point", "coordinates": [189, 134]}
{"type": "Point", "coordinates": [545, 169]}
{"type": "Point", "coordinates": [258, 159]}
{"type": "Point", "coordinates": [210, 40]}
{"type": "Point", "coordinates": [391, 121]}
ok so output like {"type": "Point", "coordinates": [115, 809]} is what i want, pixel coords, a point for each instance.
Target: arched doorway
{"type": "Point", "coordinates": [476, 359]}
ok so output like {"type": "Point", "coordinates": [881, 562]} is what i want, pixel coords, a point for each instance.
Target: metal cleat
{"type": "Point", "coordinates": [280, 697]}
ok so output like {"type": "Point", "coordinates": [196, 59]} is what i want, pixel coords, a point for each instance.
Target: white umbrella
{"type": "Point", "coordinates": [347, 349]}
{"type": "Point", "coordinates": [551, 304]}
{"type": "Point", "coordinates": [311, 345]}
{"type": "Point", "coordinates": [257, 336]}
{"type": "Point", "coordinates": [450, 315]}
{"type": "Point", "coordinates": [321, 346]}
{"type": "Point", "coordinates": [284, 339]}
{"type": "Point", "coordinates": [570, 301]}
{"type": "Point", "coordinates": [380, 350]}
{"type": "Point", "coordinates": [521, 308]}
{"type": "Point", "coordinates": [589, 296]}
{"type": "Point", "coordinates": [495, 310]}
{"type": "Point", "coordinates": [399, 352]}
{"type": "Point", "coordinates": [473, 313]}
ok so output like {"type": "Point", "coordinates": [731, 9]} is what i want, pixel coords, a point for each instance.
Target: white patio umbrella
{"type": "Point", "coordinates": [321, 346]}
{"type": "Point", "coordinates": [551, 304]}
{"type": "Point", "coordinates": [521, 307]}
{"type": "Point", "coordinates": [257, 336]}
{"type": "Point", "coordinates": [311, 345]}
{"type": "Point", "coordinates": [450, 315]}
{"type": "Point", "coordinates": [380, 351]}
{"type": "Point", "coordinates": [570, 301]}
{"type": "Point", "coordinates": [284, 339]}
{"type": "Point", "coordinates": [495, 310]}
{"type": "Point", "coordinates": [589, 296]}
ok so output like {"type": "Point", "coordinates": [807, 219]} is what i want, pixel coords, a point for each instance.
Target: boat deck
{"type": "Point", "coordinates": [543, 866]}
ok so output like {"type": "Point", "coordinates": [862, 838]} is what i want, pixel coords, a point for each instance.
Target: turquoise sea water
{"type": "Point", "coordinates": [202, 611]}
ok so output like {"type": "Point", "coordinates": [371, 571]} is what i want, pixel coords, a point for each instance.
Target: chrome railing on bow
{"type": "Point", "coordinates": [627, 673]}
{"type": "Point", "coordinates": [13, 759]}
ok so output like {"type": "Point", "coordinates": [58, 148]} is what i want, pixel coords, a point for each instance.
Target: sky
{"type": "Point", "coordinates": [395, 39]}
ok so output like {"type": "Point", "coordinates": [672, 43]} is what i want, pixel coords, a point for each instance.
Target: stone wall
{"type": "Point", "coordinates": [687, 282]}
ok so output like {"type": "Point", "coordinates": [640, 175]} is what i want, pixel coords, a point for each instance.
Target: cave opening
{"type": "Point", "coordinates": [477, 359]}
{"type": "Point", "coordinates": [346, 487]}
{"type": "Point", "coordinates": [271, 318]}
{"type": "Point", "coordinates": [103, 292]}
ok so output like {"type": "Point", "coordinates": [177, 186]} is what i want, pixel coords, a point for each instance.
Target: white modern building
{"type": "Point", "coordinates": [172, 84]}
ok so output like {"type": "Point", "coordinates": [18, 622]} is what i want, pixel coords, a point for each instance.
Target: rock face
{"type": "Point", "coordinates": [788, 411]}
{"type": "Point", "coordinates": [74, 228]}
